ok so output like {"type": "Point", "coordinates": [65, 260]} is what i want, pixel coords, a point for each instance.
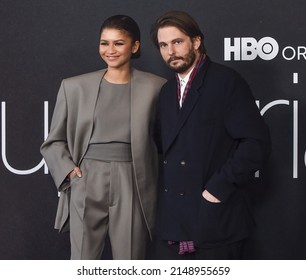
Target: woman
{"type": "Point", "coordinates": [100, 151]}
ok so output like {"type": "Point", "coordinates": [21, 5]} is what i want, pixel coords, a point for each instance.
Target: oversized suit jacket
{"type": "Point", "coordinates": [71, 129]}
{"type": "Point", "coordinates": [216, 141]}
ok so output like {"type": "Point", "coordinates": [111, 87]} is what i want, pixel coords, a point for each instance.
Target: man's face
{"type": "Point", "coordinates": [177, 49]}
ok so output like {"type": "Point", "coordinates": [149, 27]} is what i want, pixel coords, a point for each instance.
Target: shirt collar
{"type": "Point", "coordinates": [186, 78]}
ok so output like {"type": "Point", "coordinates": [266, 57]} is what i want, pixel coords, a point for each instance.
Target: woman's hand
{"type": "Point", "coordinates": [75, 172]}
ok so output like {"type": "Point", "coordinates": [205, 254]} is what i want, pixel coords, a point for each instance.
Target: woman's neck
{"type": "Point", "coordinates": [118, 76]}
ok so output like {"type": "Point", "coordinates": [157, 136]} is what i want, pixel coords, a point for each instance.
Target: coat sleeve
{"type": "Point", "coordinates": [250, 134]}
{"type": "Point", "coordinates": [55, 149]}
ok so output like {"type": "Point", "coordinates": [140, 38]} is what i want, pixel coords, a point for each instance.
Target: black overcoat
{"type": "Point", "coordinates": [216, 141]}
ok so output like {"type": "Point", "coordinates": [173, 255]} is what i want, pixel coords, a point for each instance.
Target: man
{"type": "Point", "coordinates": [212, 139]}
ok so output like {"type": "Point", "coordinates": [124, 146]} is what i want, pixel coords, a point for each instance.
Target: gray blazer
{"type": "Point", "coordinates": [72, 126]}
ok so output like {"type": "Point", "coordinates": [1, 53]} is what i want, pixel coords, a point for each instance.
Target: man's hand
{"type": "Point", "coordinates": [209, 197]}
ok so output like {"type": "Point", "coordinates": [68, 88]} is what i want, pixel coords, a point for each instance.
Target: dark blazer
{"type": "Point", "coordinates": [216, 141]}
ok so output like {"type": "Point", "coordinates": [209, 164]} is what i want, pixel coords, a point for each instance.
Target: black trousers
{"type": "Point", "coordinates": [161, 250]}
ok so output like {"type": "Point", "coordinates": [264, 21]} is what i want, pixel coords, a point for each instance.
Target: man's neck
{"type": "Point", "coordinates": [187, 74]}
{"type": "Point", "coordinates": [183, 75]}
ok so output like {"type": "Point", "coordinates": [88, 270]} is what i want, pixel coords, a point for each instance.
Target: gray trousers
{"type": "Point", "coordinates": [105, 200]}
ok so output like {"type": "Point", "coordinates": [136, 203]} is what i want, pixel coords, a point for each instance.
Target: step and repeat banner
{"type": "Point", "coordinates": [42, 42]}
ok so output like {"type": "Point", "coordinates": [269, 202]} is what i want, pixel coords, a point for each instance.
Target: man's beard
{"type": "Point", "coordinates": [188, 62]}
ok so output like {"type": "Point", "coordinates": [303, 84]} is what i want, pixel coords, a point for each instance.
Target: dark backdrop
{"type": "Point", "coordinates": [42, 42]}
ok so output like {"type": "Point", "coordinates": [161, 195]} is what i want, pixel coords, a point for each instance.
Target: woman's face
{"type": "Point", "coordinates": [116, 47]}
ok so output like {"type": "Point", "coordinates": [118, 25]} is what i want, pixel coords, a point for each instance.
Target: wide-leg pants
{"type": "Point", "coordinates": [105, 200]}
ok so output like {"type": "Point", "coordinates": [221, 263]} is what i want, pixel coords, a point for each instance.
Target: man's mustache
{"type": "Point", "coordinates": [172, 58]}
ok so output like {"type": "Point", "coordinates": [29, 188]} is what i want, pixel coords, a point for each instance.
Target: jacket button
{"type": "Point", "coordinates": [182, 193]}
{"type": "Point", "coordinates": [183, 162]}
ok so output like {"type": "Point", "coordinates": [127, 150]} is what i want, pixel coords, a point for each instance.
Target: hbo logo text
{"type": "Point", "coordinates": [248, 48]}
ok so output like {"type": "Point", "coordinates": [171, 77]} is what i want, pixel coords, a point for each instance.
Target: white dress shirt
{"type": "Point", "coordinates": [183, 83]}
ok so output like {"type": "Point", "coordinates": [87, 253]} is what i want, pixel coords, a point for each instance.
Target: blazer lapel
{"type": "Point", "coordinates": [91, 89]}
{"type": "Point", "coordinates": [137, 98]}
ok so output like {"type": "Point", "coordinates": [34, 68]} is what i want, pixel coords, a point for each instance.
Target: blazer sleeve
{"type": "Point", "coordinates": [157, 129]}
{"type": "Point", "coordinates": [250, 134]}
{"type": "Point", "coordinates": [55, 149]}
